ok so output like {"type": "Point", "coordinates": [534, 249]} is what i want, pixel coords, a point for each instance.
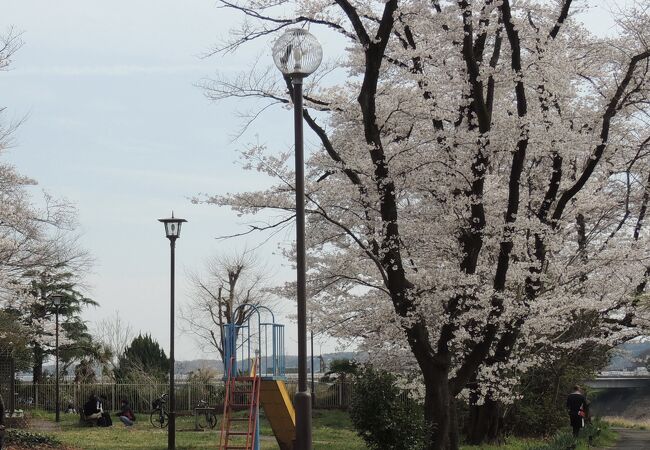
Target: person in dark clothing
{"type": "Point", "coordinates": [105, 419]}
{"type": "Point", "coordinates": [126, 413]}
{"type": "Point", "coordinates": [576, 405]}
{"type": "Point", "coordinates": [93, 408]}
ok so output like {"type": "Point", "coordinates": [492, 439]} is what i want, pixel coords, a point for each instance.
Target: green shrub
{"type": "Point", "coordinates": [536, 419]}
{"type": "Point", "coordinates": [384, 417]}
{"type": "Point", "coordinates": [596, 434]}
{"type": "Point", "coordinates": [29, 439]}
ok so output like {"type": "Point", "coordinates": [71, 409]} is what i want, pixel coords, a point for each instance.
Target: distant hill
{"type": "Point", "coordinates": [185, 367]}
{"type": "Point", "coordinates": [291, 362]}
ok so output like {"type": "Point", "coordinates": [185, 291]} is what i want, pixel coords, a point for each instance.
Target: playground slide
{"type": "Point", "coordinates": [279, 411]}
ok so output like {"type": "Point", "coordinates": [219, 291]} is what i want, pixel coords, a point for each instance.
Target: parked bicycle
{"type": "Point", "coordinates": [159, 417]}
{"type": "Point", "coordinates": [207, 417]}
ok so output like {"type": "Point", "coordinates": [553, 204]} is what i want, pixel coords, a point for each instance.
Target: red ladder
{"type": "Point", "coordinates": [242, 393]}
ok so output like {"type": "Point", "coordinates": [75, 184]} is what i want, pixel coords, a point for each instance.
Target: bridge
{"type": "Point", "coordinates": [621, 379]}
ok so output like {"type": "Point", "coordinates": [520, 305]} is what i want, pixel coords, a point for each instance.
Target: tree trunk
{"type": "Point", "coordinates": [485, 424]}
{"type": "Point", "coordinates": [454, 438]}
{"type": "Point", "coordinates": [437, 409]}
{"type": "Point", "coordinates": [37, 367]}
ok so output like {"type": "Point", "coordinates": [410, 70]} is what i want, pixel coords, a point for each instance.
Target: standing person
{"type": "Point", "coordinates": [576, 405]}
{"type": "Point", "coordinates": [126, 413]}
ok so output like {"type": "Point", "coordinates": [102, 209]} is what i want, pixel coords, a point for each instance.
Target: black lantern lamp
{"type": "Point", "coordinates": [172, 227]}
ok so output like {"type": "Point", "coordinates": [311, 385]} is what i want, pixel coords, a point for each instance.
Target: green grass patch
{"type": "Point", "coordinates": [600, 433]}
{"type": "Point", "coordinates": [332, 431]}
{"type": "Point", "coordinates": [511, 443]}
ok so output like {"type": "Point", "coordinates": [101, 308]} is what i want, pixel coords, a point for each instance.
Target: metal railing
{"type": "Point", "coordinates": [140, 396]}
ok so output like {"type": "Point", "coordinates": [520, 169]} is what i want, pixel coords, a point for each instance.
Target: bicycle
{"type": "Point", "coordinates": [159, 417]}
{"type": "Point", "coordinates": [207, 417]}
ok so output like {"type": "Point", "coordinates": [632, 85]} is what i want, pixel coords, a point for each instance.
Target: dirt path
{"type": "Point", "coordinates": [632, 439]}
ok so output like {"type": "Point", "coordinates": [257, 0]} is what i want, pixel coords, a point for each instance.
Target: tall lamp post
{"type": "Point", "coordinates": [297, 54]}
{"type": "Point", "coordinates": [173, 232]}
{"type": "Point", "coordinates": [56, 300]}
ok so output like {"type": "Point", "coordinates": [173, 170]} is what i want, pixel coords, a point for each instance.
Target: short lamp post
{"type": "Point", "coordinates": [297, 54]}
{"type": "Point", "coordinates": [173, 232]}
{"type": "Point", "coordinates": [56, 300]}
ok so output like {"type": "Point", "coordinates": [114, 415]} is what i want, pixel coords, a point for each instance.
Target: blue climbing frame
{"type": "Point", "coordinates": [252, 338]}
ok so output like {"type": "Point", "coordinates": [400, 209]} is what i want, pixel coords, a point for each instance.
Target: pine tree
{"type": "Point", "coordinates": [36, 313]}
{"type": "Point", "coordinates": [143, 356]}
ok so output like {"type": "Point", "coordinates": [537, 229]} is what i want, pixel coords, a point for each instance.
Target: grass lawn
{"type": "Point", "coordinates": [512, 443]}
{"type": "Point", "coordinates": [332, 431]}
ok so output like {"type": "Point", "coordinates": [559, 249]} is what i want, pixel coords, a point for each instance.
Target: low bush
{"type": "Point", "coordinates": [383, 417]}
{"type": "Point", "coordinates": [29, 439]}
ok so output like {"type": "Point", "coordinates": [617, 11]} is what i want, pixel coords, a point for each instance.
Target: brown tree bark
{"type": "Point", "coordinates": [485, 424]}
{"type": "Point", "coordinates": [437, 405]}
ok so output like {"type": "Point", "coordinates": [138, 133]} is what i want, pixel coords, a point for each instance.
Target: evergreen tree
{"type": "Point", "coordinates": [36, 313]}
{"type": "Point", "coordinates": [143, 356]}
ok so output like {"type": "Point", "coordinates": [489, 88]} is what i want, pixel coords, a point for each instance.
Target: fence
{"type": "Point", "coordinates": [140, 396]}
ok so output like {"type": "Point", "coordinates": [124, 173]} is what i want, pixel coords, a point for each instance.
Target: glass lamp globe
{"type": "Point", "coordinates": [297, 53]}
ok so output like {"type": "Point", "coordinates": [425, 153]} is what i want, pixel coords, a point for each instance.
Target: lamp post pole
{"type": "Point", "coordinates": [173, 232]}
{"type": "Point", "coordinates": [303, 397]}
{"type": "Point", "coordinates": [171, 436]}
{"type": "Point", "coordinates": [297, 54]}
{"type": "Point", "coordinates": [56, 300]}
{"type": "Point", "coordinates": [56, 353]}
{"type": "Point", "coordinates": [313, 386]}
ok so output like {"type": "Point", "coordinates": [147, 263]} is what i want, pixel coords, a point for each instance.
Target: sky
{"type": "Point", "coordinates": [116, 124]}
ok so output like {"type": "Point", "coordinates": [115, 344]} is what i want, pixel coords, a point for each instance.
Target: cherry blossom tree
{"type": "Point", "coordinates": [38, 251]}
{"type": "Point", "coordinates": [479, 195]}
{"type": "Point", "coordinates": [32, 235]}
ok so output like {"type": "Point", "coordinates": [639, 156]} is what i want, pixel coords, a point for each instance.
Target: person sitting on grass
{"type": "Point", "coordinates": [70, 409]}
{"type": "Point", "coordinates": [93, 408]}
{"type": "Point", "coordinates": [126, 413]}
{"type": "Point", "coordinates": [105, 420]}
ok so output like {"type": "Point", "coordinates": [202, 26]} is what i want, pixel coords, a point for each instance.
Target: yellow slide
{"type": "Point", "coordinates": [279, 411]}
